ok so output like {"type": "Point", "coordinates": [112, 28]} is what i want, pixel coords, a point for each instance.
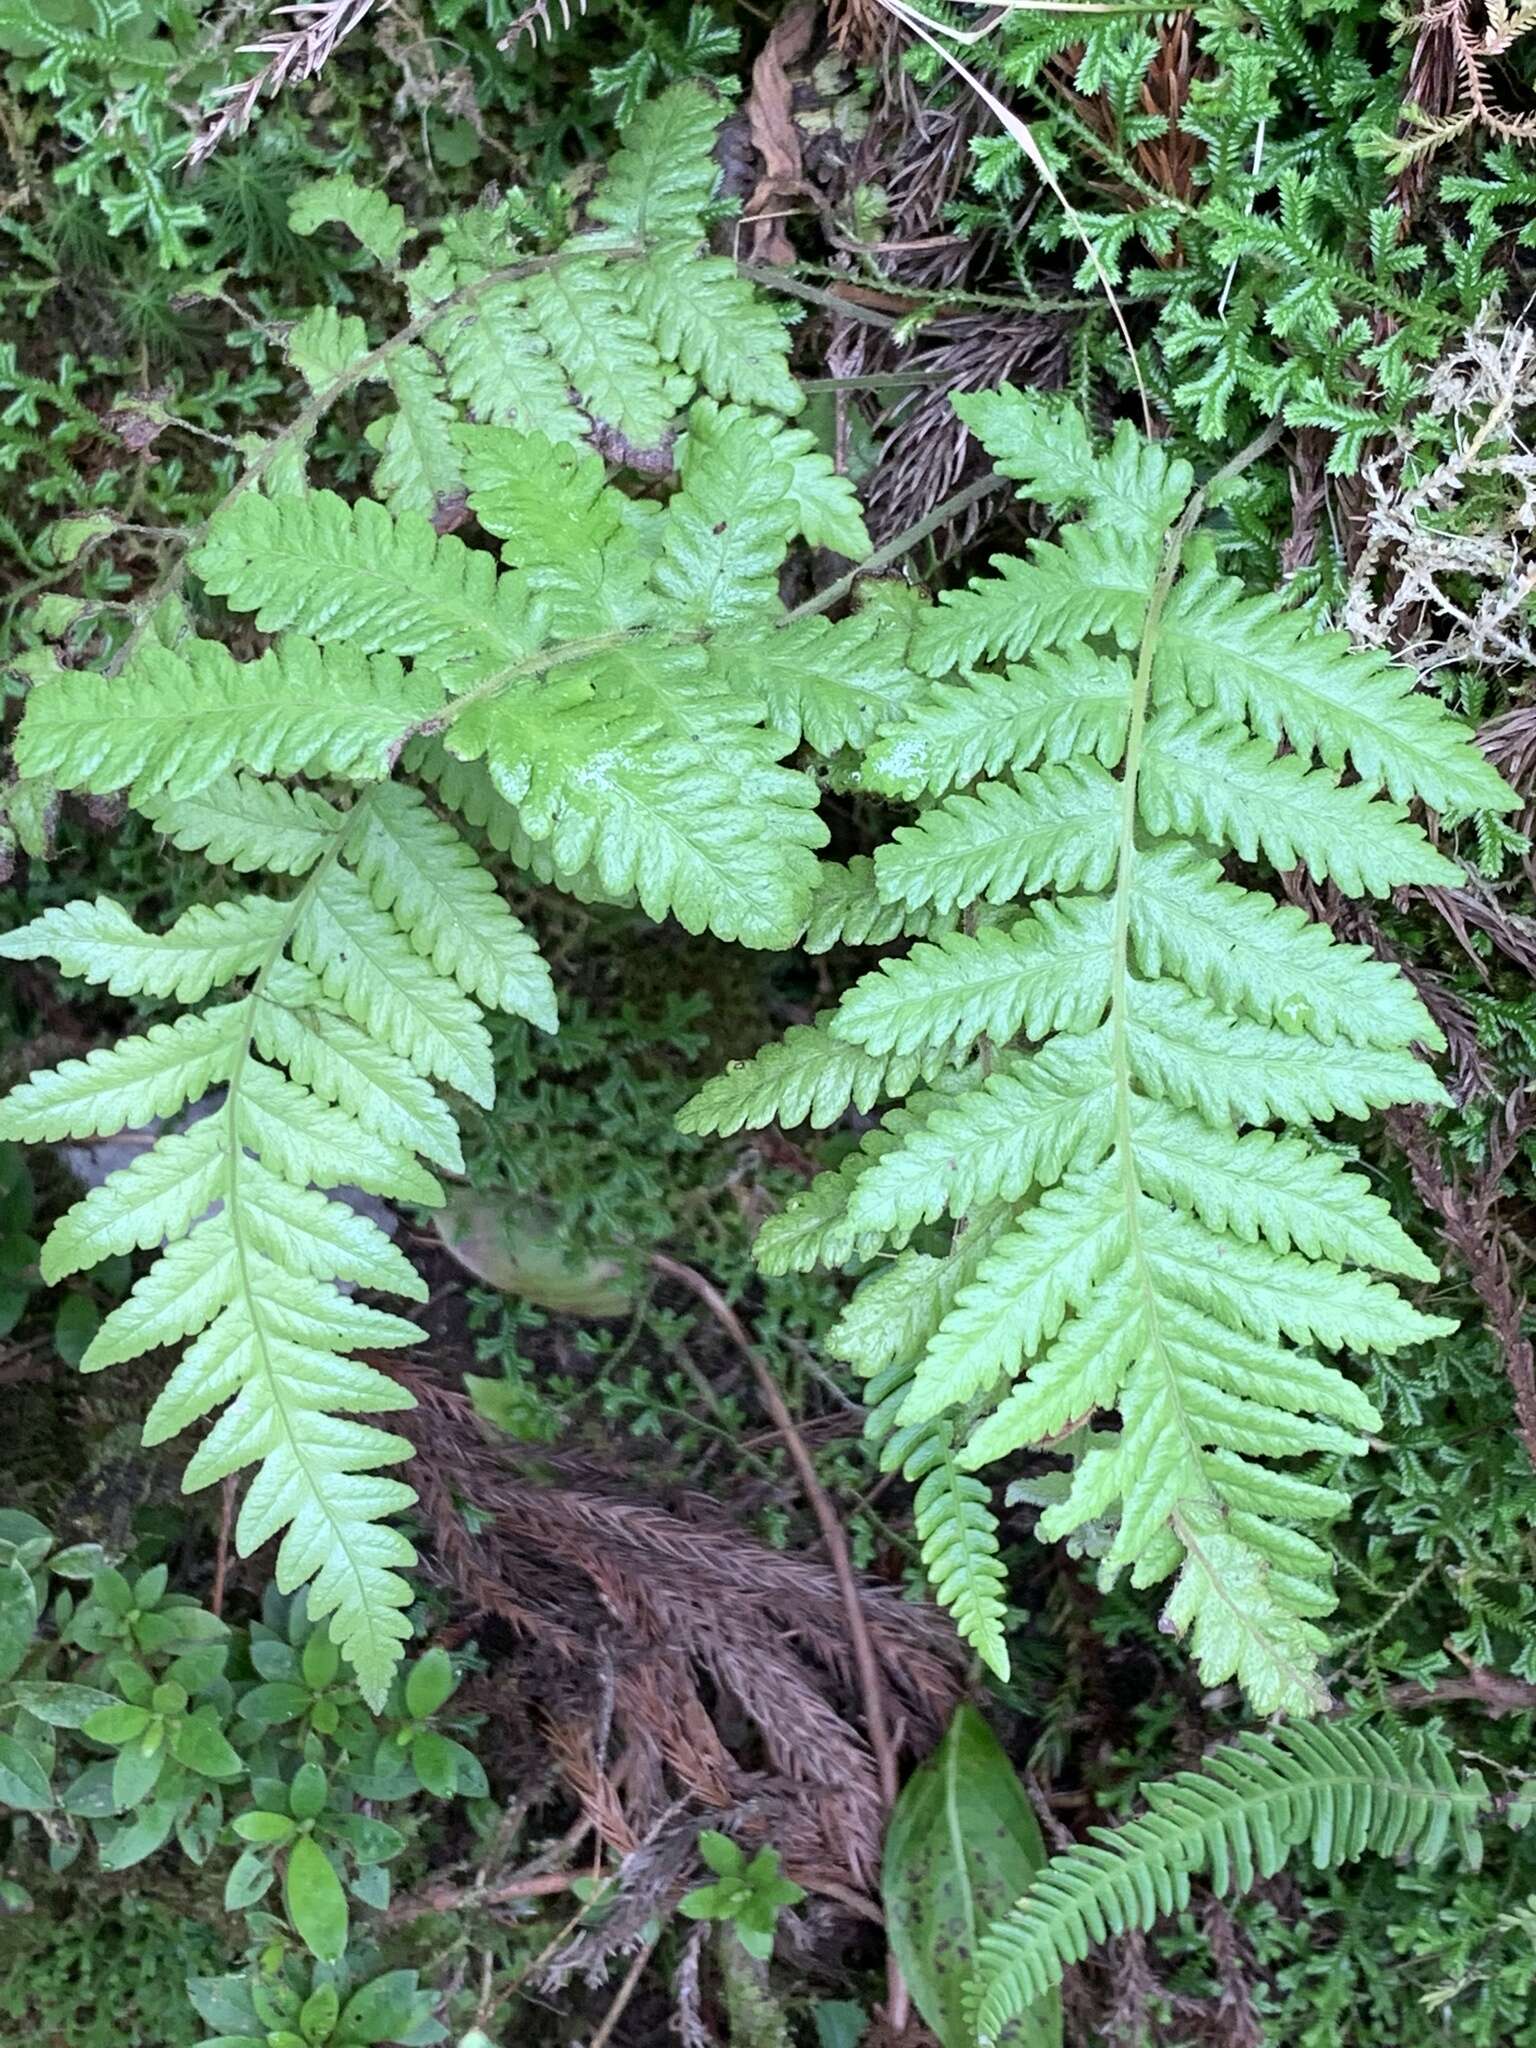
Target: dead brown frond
{"type": "Point", "coordinates": [538, 18]}
{"type": "Point", "coordinates": [1466, 38]}
{"type": "Point", "coordinates": [926, 453]}
{"type": "Point", "coordinates": [292, 55]}
{"type": "Point", "coordinates": [861, 29]}
{"type": "Point", "coordinates": [1470, 1217]}
{"type": "Point", "coordinates": [669, 1663]}
{"type": "Point", "coordinates": [1166, 162]}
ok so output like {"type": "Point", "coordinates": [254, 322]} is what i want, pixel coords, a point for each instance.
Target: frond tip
{"type": "Point", "coordinates": [1338, 1790]}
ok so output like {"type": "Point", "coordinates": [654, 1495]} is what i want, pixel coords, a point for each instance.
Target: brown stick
{"type": "Point", "coordinates": [871, 1685]}
{"type": "Point", "coordinates": [625, 1993]}
{"type": "Point", "coordinates": [221, 1554]}
{"type": "Point", "coordinates": [454, 1898]}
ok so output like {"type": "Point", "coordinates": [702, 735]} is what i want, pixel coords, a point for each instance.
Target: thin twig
{"type": "Point", "coordinates": [456, 1898]}
{"type": "Point", "coordinates": [625, 1993]}
{"type": "Point", "coordinates": [221, 1553]}
{"type": "Point", "coordinates": [871, 1685]}
{"type": "Point", "coordinates": [893, 550]}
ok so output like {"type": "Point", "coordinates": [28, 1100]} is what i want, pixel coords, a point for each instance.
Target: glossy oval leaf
{"type": "Point", "coordinates": [23, 1781]}
{"type": "Point", "coordinates": [962, 1845]}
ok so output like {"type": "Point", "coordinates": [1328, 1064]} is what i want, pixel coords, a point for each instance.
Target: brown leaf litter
{"type": "Point", "coordinates": [673, 1669]}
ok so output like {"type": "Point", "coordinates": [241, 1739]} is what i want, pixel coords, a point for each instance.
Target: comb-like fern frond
{"type": "Point", "coordinates": [610, 704]}
{"type": "Point", "coordinates": [1134, 1064]}
{"type": "Point", "coordinates": [1336, 1790]}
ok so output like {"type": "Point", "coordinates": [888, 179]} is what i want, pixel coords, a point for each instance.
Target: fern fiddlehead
{"type": "Point", "coordinates": [1123, 1072]}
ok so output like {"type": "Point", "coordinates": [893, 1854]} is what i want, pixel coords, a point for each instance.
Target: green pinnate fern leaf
{"type": "Point", "coordinates": [661, 181]}
{"type": "Point", "coordinates": [245, 823]}
{"type": "Point", "coordinates": [182, 719]}
{"type": "Point", "coordinates": [609, 706]}
{"type": "Point", "coordinates": [207, 946]}
{"type": "Point", "coordinates": [1252, 660]}
{"type": "Point", "coordinates": [1336, 1791]}
{"type": "Point", "coordinates": [703, 315]}
{"type": "Point", "coordinates": [1143, 1065]}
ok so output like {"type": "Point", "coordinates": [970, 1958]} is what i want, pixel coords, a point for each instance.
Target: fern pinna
{"type": "Point", "coordinates": [1115, 1093]}
{"type": "Point", "coordinates": [608, 708]}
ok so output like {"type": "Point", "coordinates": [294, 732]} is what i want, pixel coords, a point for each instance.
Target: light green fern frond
{"type": "Point", "coordinates": [612, 706]}
{"type": "Point", "coordinates": [619, 330]}
{"type": "Point", "coordinates": [1339, 1791]}
{"type": "Point", "coordinates": [326, 1064]}
{"type": "Point", "coordinates": [1140, 1068]}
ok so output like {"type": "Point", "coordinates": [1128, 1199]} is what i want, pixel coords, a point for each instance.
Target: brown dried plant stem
{"type": "Point", "coordinates": [871, 1686]}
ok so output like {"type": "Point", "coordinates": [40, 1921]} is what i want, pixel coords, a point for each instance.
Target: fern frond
{"type": "Point", "coordinates": [369, 968]}
{"type": "Point", "coordinates": [1251, 659]}
{"type": "Point", "coordinates": [847, 909]}
{"type": "Point", "coordinates": [1201, 780]}
{"type": "Point", "coordinates": [417, 466]}
{"type": "Point", "coordinates": [244, 823]}
{"type": "Point", "coordinates": [122, 1085]}
{"type": "Point", "coordinates": [703, 315]}
{"type": "Point", "coordinates": [1060, 706]}
{"type": "Point", "coordinates": [206, 947]}
{"type": "Point", "coordinates": [1056, 826]}
{"type": "Point", "coordinates": [1338, 1790]}
{"type": "Point", "coordinates": [1142, 1060]}
{"type": "Point", "coordinates": [958, 1534]}
{"type": "Point", "coordinates": [580, 309]}
{"type": "Point", "coordinates": [832, 685]}
{"type": "Point", "coordinates": [611, 710]}
{"type": "Point", "coordinates": [499, 365]}
{"type": "Point", "coordinates": [249, 1244]}
{"type": "Point", "coordinates": [661, 180]}
{"type": "Point", "coordinates": [1041, 974]}
{"type": "Point", "coordinates": [1092, 581]}
{"type": "Point", "coordinates": [808, 1078]}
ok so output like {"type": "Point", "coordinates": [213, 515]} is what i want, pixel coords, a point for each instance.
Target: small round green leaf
{"type": "Point", "coordinates": [430, 1683]}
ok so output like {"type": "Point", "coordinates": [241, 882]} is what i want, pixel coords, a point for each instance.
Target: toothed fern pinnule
{"type": "Point", "coordinates": [1339, 1790]}
{"type": "Point", "coordinates": [609, 705]}
{"type": "Point", "coordinates": [1113, 1086]}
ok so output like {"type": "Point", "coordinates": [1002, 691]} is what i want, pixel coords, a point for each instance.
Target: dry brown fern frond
{"type": "Point", "coordinates": [293, 54]}
{"type": "Point", "coordinates": [669, 1658]}
{"type": "Point", "coordinates": [538, 18]}
{"type": "Point", "coordinates": [1452, 89]}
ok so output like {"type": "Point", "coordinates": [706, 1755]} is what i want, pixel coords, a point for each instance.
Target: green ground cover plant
{"type": "Point", "coordinates": [767, 1088]}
